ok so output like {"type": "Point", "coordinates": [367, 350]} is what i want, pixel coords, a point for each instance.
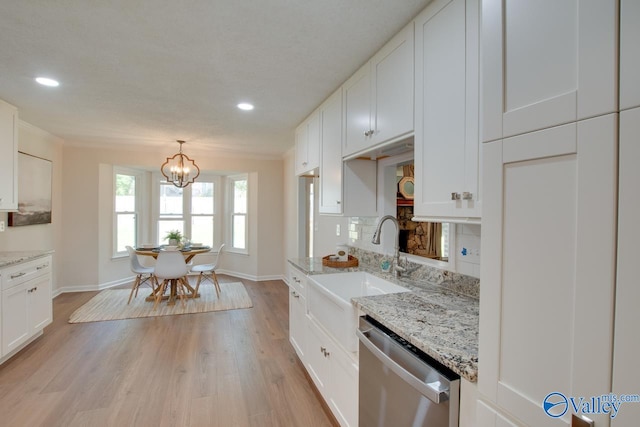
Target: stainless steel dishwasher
{"type": "Point", "coordinates": [401, 385]}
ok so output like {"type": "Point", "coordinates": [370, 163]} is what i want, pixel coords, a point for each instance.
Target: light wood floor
{"type": "Point", "coordinates": [229, 368]}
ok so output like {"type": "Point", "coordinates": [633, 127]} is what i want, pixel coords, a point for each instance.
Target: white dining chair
{"type": "Point", "coordinates": [143, 274]}
{"type": "Point", "coordinates": [170, 265]}
{"type": "Point", "coordinates": [208, 272]}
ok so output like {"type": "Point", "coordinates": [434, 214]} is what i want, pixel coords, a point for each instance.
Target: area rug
{"type": "Point", "coordinates": [111, 304]}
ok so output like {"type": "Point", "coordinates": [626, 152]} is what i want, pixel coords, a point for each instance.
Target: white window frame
{"type": "Point", "coordinates": [230, 213]}
{"type": "Point", "coordinates": [159, 179]}
{"type": "Point", "coordinates": [138, 174]}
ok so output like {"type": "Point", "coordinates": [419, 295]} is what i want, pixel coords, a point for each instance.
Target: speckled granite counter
{"type": "Point", "coordinates": [437, 320]}
{"type": "Point", "coordinates": [10, 258]}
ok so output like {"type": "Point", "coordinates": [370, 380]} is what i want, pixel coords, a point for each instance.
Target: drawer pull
{"type": "Point", "coordinates": [42, 266]}
{"type": "Point", "coordinates": [13, 276]}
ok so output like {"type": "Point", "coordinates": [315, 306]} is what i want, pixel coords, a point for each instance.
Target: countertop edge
{"type": "Point", "coordinates": [11, 258]}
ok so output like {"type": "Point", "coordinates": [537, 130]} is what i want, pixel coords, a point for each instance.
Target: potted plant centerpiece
{"type": "Point", "coordinates": [174, 237]}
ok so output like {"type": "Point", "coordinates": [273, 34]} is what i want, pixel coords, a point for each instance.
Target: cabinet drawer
{"type": "Point", "coordinates": [20, 273]}
{"type": "Point", "coordinates": [298, 281]}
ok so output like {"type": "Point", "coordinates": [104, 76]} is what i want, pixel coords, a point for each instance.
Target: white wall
{"type": "Point", "coordinates": [88, 212]}
{"type": "Point", "coordinates": [34, 141]}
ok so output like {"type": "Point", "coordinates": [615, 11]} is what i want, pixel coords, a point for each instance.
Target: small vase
{"type": "Point", "coordinates": [173, 242]}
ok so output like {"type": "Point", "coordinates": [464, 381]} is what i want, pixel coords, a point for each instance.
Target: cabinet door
{"type": "Point", "coordinates": [629, 54]}
{"type": "Point", "coordinates": [626, 351]}
{"type": "Point", "coordinates": [8, 157]}
{"type": "Point", "coordinates": [302, 152]}
{"type": "Point", "coordinates": [344, 396]}
{"type": "Point", "coordinates": [15, 317]}
{"type": "Point", "coordinates": [447, 142]}
{"type": "Point", "coordinates": [357, 111]}
{"type": "Point", "coordinates": [308, 144]}
{"type": "Point", "coordinates": [393, 89]}
{"type": "Point", "coordinates": [316, 361]}
{"type": "Point", "coordinates": [331, 155]}
{"type": "Point", "coordinates": [548, 251]}
{"type": "Point", "coordinates": [40, 306]}
{"type": "Point", "coordinates": [297, 323]}
{"type": "Point", "coordinates": [489, 417]}
{"type": "Point", "coordinates": [546, 63]}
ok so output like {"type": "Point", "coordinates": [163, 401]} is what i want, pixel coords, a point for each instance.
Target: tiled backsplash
{"type": "Point", "coordinates": [467, 243]}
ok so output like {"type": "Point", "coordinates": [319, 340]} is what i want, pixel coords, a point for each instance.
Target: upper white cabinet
{"type": "Point", "coordinates": [8, 157]}
{"type": "Point", "coordinates": [546, 62]}
{"type": "Point", "coordinates": [378, 98]}
{"type": "Point", "coordinates": [308, 144]}
{"type": "Point", "coordinates": [446, 138]}
{"type": "Point", "coordinates": [349, 187]}
{"type": "Point", "coordinates": [331, 154]}
{"type": "Point", "coordinates": [629, 54]}
{"type": "Point", "coordinates": [626, 375]}
{"type": "Point", "coordinates": [548, 267]}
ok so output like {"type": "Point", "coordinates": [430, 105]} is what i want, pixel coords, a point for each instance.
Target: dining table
{"type": "Point", "coordinates": [188, 254]}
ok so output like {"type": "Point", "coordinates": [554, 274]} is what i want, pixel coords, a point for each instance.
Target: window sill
{"type": "Point", "coordinates": [238, 251]}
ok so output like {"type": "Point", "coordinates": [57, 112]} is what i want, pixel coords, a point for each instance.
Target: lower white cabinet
{"type": "Point", "coordinates": [626, 350]}
{"type": "Point", "coordinates": [298, 311]}
{"type": "Point", "coordinates": [335, 374]}
{"type": "Point", "coordinates": [489, 417]}
{"type": "Point", "coordinates": [548, 268]}
{"type": "Point", "coordinates": [26, 302]}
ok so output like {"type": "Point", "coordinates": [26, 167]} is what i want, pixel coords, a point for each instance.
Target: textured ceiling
{"type": "Point", "coordinates": [148, 72]}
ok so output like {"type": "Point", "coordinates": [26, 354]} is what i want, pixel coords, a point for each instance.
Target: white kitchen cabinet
{"type": "Point", "coordinates": [8, 157]}
{"type": "Point", "coordinates": [298, 312]}
{"type": "Point", "coordinates": [545, 63]}
{"type": "Point", "coordinates": [349, 187]}
{"type": "Point", "coordinates": [308, 144]}
{"type": "Point", "coordinates": [489, 417]}
{"type": "Point", "coordinates": [629, 54]}
{"type": "Point", "coordinates": [335, 374]}
{"type": "Point", "coordinates": [331, 155]}
{"type": "Point", "coordinates": [626, 350]}
{"type": "Point", "coordinates": [446, 138]}
{"type": "Point", "coordinates": [378, 98]}
{"type": "Point", "coordinates": [26, 302]}
{"type": "Point", "coordinates": [548, 267]}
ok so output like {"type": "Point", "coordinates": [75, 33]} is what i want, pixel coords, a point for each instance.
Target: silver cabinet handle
{"type": "Point", "coordinates": [13, 276]}
{"type": "Point", "coordinates": [338, 201]}
{"type": "Point", "coordinates": [368, 132]}
{"type": "Point", "coordinates": [295, 294]}
{"type": "Point", "coordinates": [42, 266]}
{"type": "Point", "coordinates": [467, 196]}
{"type": "Point", "coordinates": [455, 196]}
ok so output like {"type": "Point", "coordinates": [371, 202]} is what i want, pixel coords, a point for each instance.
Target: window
{"type": "Point", "coordinates": [238, 192]}
{"type": "Point", "coordinates": [126, 210]}
{"type": "Point", "coordinates": [190, 210]}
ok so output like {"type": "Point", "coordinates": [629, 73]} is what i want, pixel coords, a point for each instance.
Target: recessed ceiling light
{"type": "Point", "coordinates": [45, 81]}
{"type": "Point", "coordinates": [245, 106]}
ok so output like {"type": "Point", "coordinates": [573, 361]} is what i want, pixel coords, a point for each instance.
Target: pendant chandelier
{"type": "Point", "coordinates": [180, 170]}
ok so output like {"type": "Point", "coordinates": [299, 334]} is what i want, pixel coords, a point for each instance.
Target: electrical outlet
{"type": "Point", "coordinates": [1, 226]}
{"type": "Point", "coordinates": [337, 229]}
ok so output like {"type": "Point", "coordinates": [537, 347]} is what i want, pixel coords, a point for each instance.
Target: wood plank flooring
{"type": "Point", "coordinates": [227, 368]}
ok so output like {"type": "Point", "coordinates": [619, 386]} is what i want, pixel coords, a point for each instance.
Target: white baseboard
{"type": "Point", "coordinates": [90, 288]}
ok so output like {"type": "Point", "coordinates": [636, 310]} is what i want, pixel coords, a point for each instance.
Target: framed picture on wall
{"type": "Point", "coordinates": [34, 191]}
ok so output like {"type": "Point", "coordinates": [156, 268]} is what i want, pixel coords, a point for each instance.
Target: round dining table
{"type": "Point", "coordinates": [173, 294]}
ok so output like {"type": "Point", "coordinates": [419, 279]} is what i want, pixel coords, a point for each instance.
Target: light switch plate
{"type": "Point", "coordinates": [337, 229]}
{"type": "Point", "coordinates": [1, 226]}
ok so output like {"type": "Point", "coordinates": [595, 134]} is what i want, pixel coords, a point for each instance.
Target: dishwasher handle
{"type": "Point", "coordinates": [432, 391]}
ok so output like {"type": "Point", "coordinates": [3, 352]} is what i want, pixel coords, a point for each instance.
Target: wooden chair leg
{"type": "Point", "coordinates": [215, 282]}
{"type": "Point", "coordinates": [163, 287]}
{"type": "Point", "coordinates": [195, 291]}
{"type": "Point", "coordinates": [181, 291]}
{"type": "Point", "coordinates": [136, 283]}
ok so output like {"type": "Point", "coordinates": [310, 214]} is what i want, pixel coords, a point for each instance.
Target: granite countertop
{"type": "Point", "coordinates": [439, 321]}
{"type": "Point", "coordinates": [16, 257]}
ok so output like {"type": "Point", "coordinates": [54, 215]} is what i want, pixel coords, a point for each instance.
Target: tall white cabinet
{"type": "Point", "coordinates": [308, 144]}
{"type": "Point", "coordinates": [8, 157]}
{"type": "Point", "coordinates": [546, 63]}
{"type": "Point", "coordinates": [446, 138]}
{"type": "Point", "coordinates": [548, 268]}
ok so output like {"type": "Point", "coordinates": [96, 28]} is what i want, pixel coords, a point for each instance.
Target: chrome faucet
{"type": "Point", "coordinates": [397, 267]}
